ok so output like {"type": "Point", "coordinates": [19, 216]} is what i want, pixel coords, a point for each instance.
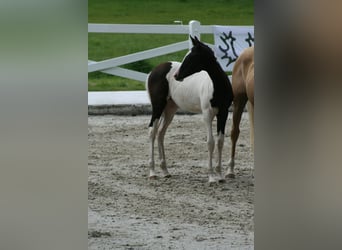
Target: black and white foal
{"type": "Point", "coordinates": [198, 85]}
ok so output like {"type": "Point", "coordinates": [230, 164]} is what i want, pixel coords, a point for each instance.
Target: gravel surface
{"type": "Point", "coordinates": [129, 211]}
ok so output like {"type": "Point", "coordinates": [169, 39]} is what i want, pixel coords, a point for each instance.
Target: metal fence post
{"type": "Point", "coordinates": [194, 30]}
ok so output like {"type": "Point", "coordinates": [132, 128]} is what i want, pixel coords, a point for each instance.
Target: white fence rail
{"type": "Point", "coordinates": [112, 66]}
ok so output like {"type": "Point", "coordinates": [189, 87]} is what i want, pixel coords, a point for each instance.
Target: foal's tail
{"type": "Point", "coordinates": [157, 87]}
{"type": "Point", "coordinates": [146, 85]}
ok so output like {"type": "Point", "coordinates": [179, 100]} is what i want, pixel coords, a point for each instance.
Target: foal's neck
{"type": "Point", "coordinates": [216, 73]}
{"type": "Point", "coordinates": [223, 93]}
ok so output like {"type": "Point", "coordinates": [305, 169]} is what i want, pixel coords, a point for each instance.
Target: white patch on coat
{"type": "Point", "coordinates": [194, 93]}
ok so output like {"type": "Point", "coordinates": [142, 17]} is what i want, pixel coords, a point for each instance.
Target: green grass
{"type": "Point", "coordinates": [105, 82]}
{"type": "Point", "coordinates": [105, 46]}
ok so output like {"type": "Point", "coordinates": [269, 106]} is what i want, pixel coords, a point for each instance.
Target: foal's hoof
{"type": "Point", "coordinates": [230, 176]}
{"type": "Point", "coordinates": [153, 177]}
{"type": "Point", "coordinates": [222, 180]}
{"type": "Point", "coordinates": [167, 176]}
{"type": "Point", "coordinates": [212, 179]}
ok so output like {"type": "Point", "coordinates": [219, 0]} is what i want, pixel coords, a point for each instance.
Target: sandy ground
{"type": "Point", "coordinates": [129, 211]}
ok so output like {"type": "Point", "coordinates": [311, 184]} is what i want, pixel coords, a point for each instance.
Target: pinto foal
{"type": "Point", "coordinates": [198, 85]}
{"type": "Point", "coordinates": [243, 89]}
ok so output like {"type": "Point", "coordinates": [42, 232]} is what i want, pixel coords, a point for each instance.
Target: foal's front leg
{"type": "Point", "coordinates": [220, 142]}
{"type": "Point", "coordinates": [211, 145]}
{"type": "Point", "coordinates": [221, 125]}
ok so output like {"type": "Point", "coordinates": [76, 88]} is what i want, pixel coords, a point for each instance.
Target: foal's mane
{"type": "Point", "coordinates": [205, 56]}
{"type": "Point", "coordinates": [200, 57]}
{"type": "Point", "coordinates": [200, 47]}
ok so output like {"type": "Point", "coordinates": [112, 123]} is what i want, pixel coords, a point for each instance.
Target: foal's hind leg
{"type": "Point", "coordinates": [157, 87]}
{"type": "Point", "coordinates": [152, 136]}
{"type": "Point", "coordinates": [157, 110]}
{"type": "Point", "coordinates": [168, 114]}
{"type": "Point", "coordinates": [239, 104]}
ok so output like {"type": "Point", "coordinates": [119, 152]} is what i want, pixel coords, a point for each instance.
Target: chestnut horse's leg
{"type": "Point", "coordinates": [167, 117]}
{"type": "Point", "coordinates": [239, 104]}
{"type": "Point", "coordinates": [250, 108]}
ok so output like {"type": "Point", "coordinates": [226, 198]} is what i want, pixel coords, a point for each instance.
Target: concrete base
{"type": "Point", "coordinates": [121, 103]}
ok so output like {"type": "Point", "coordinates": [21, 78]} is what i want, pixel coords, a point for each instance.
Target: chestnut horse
{"type": "Point", "coordinates": [243, 89]}
{"type": "Point", "coordinates": [198, 85]}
